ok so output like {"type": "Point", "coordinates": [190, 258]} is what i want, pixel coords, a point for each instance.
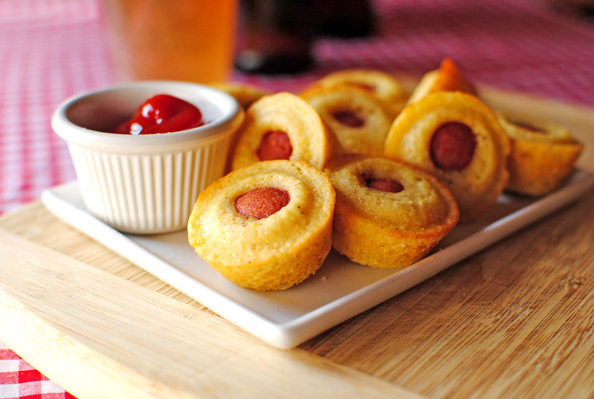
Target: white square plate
{"type": "Point", "coordinates": [339, 290]}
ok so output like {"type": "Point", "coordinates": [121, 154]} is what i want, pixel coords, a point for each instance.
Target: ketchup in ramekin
{"type": "Point", "coordinates": [162, 113]}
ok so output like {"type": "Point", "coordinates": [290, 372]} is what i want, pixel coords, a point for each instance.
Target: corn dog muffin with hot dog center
{"type": "Point", "coordinates": [267, 226]}
{"type": "Point", "coordinates": [388, 214]}
{"type": "Point", "coordinates": [457, 138]}
{"type": "Point", "coordinates": [281, 126]}
{"type": "Point", "coordinates": [542, 155]}
{"type": "Point", "coordinates": [379, 84]}
{"type": "Point", "coordinates": [358, 120]}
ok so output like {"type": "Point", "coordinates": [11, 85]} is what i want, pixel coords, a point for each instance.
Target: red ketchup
{"type": "Point", "coordinates": [162, 114]}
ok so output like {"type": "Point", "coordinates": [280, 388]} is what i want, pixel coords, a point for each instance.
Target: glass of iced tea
{"type": "Point", "coordinates": [189, 40]}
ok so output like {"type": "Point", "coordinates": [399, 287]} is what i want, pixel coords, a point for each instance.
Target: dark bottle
{"type": "Point", "coordinates": [275, 36]}
{"type": "Point", "coordinates": [344, 18]}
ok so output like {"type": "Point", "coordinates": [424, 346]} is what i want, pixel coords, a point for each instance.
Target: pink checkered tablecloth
{"type": "Point", "coordinates": [51, 49]}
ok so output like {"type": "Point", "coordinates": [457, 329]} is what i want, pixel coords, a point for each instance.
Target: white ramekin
{"type": "Point", "coordinates": [145, 184]}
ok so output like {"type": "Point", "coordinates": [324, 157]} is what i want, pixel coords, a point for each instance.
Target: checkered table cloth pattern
{"type": "Point", "coordinates": [51, 49]}
{"type": "Point", "coordinates": [19, 380]}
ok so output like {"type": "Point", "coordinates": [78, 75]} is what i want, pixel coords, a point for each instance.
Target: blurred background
{"type": "Point", "coordinates": [51, 49]}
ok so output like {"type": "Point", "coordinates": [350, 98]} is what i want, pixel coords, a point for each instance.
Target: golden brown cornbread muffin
{"type": "Point", "coordinates": [388, 214]}
{"type": "Point", "coordinates": [281, 126]}
{"type": "Point", "coordinates": [380, 84]}
{"type": "Point", "coordinates": [447, 78]}
{"type": "Point", "coordinates": [244, 93]}
{"type": "Point", "coordinates": [457, 138]}
{"type": "Point", "coordinates": [271, 250]}
{"type": "Point", "coordinates": [542, 155]}
{"type": "Point", "coordinates": [358, 120]}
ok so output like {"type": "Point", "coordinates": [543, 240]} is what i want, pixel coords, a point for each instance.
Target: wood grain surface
{"type": "Point", "coordinates": [515, 320]}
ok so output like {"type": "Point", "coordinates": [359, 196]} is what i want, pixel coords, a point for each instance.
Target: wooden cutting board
{"type": "Point", "coordinates": [515, 320]}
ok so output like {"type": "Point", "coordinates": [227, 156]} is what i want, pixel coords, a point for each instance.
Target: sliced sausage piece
{"type": "Point", "coordinates": [275, 145]}
{"type": "Point", "coordinates": [452, 146]}
{"type": "Point", "coordinates": [348, 118]}
{"type": "Point", "coordinates": [262, 202]}
{"type": "Point", "coordinates": [386, 185]}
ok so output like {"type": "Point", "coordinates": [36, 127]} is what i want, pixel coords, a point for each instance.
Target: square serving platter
{"type": "Point", "coordinates": [339, 290]}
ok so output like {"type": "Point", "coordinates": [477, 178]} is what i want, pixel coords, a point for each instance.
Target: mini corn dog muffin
{"type": "Point", "coordinates": [358, 120]}
{"type": "Point", "coordinates": [244, 93]}
{"type": "Point", "coordinates": [542, 155]}
{"type": "Point", "coordinates": [267, 226]}
{"type": "Point", "coordinates": [457, 138]}
{"type": "Point", "coordinates": [378, 83]}
{"type": "Point", "coordinates": [388, 214]}
{"type": "Point", "coordinates": [281, 126]}
{"type": "Point", "coordinates": [447, 78]}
